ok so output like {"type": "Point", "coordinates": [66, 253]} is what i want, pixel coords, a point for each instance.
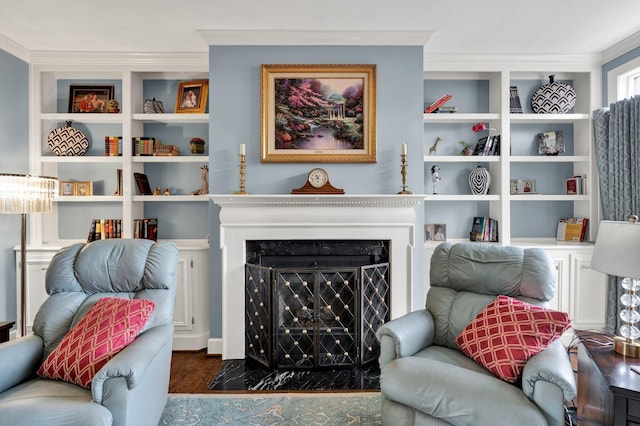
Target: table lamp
{"type": "Point", "coordinates": [616, 253]}
{"type": "Point", "coordinates": [24, 194]}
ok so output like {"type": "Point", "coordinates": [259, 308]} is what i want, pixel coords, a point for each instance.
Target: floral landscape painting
{"type": "Point", "coordinates": [326, 114]}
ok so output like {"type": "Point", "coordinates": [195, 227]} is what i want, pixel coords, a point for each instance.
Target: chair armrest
{"type": "Point", "coordinates": [132, 362]}
{"type": "Point", "coordinates": [551, 365]}
{"type": "Point", "coordinates": [406, 335]}
{"type": "Point", "coordinates": [19, 360]}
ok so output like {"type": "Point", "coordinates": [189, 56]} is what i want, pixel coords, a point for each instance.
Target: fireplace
{"type": "Point", "coordinates": [315, 304]}
{"type": "Point", "coordinates": [292, 218]}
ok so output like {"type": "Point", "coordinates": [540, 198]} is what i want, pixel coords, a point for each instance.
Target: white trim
{"type": "Point", "coordinates": [614, 78]}
{"type": "Point", "coordinates": [214, 346]}
{"type": "Point", "coordinates": [13, 48]}
{"type": "Point", "coordinates": [498, 62]}
{"type": "Point", "coordinates": [314, 38]}
{"type": "Point", "coordinates": [184, 60]}
{"type": "Point", "coordinates": [621, 48]}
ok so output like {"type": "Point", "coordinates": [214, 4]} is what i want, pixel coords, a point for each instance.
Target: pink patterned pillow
{"type": "Point", "coordinates": [507, 332]}
{"type": "Point", "coordinates": [109, 326]}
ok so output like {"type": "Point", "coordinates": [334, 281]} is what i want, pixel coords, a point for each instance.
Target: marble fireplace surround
{"type": "Point", "coordinates": [310, 217]}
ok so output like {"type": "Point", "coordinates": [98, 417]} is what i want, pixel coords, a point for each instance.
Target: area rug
{"type": "Point", "coordinates": [288, 409]}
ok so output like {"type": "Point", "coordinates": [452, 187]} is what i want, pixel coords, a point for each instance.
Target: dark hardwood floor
{"type": "Point", "coordinates": [193, 371]}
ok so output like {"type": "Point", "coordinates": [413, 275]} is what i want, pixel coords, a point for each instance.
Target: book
{"type": "Point", "coordinates": [480, 145]}
{"type": "Point", "coordinates": [484, 228]}
{"type": "Point", "coordinates": [441, 101]}
{"type": "Point", "coordinates": [573, 186]}
{"type": "Point", "coordinates": [572, 229]}
{"type": "Point", "coordinates": [495, 148]}
{"type": "Point", "coordinates": [143, 183]}
{"type": "Point", "coordinates": [146, 228]}
{"type": "Point", "coordinates": [515, 107]}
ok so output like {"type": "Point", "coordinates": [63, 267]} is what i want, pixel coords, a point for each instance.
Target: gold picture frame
{"type": "Point", "coordinates": [67, 188]}
{"type": "Point", "coordinates": [192, 97]}
{"type": "Point", "coordinates": [84, 188]}
{"type": "Point", "coordinates": [318, 113]}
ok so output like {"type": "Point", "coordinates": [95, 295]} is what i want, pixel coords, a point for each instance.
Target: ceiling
{"type": "Point", "coordinates": [459, 26]}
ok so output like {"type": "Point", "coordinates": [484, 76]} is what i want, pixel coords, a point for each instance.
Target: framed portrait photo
{"type": "Point", "coordinates": [192, 97]}
{"type": "Point", "coordinates": [435, 232]}
{"type": "Point", "coordinates": [89, 99]}
{"type": "Point", "coordinates": [318, 113]}
{"type": "Point", "coordinates": [67, 188]}
{"type": "Point", "coordinates": [84, 188]}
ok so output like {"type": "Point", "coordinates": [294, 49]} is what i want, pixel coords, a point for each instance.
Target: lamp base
{"type": "Point", "coordinates": [626, 347]}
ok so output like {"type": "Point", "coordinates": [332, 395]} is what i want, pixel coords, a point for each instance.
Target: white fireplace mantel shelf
{"type": "Point", "coordinates": [311, 217]}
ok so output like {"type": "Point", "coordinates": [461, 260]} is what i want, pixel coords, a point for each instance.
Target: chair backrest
{"type": "Point", "coordinates": [466, 277]}
{"type": "Point", "coordinates": [80, 274]}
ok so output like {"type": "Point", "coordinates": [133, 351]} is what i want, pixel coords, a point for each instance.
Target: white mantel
{"type": "Point", "coordinates": [310, 217]}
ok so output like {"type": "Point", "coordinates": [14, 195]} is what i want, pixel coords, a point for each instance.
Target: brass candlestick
{"type": "Point", "coordinates": [403, 172]}
{"type": "Point", "coordinates": [242, 174]}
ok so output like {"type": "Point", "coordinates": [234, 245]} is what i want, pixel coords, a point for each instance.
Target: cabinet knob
{"type": "Point", "coordinates": [585, 266]}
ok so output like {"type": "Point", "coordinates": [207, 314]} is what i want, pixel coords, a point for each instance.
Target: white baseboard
{"type": "Point", "coordinates": [191, 342]}
{"type": "Point", "coordinates": [214, 346]}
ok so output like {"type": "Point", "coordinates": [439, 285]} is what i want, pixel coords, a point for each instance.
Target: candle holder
{"type": "Point", "coordinates": [242, 174]}
{"type": "Point", "coordinates": [403, 172]}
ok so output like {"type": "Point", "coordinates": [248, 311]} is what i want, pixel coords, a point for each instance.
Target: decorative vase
{"type": "Point", "coordinates": [553, 98]}
{"type": "Point", "coordinates": [196, 145]}
{"type": "Point", "coordinates": [479, 181]}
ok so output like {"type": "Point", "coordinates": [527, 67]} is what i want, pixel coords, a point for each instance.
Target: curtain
{"type": "Point", "coordinates": [617, 140]}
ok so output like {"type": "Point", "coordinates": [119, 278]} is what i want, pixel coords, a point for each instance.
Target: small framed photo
{"type": "Point", "coordinates": [84, 188]}
{"type": "Point", "coordinates": [67, 188]}
{"type": "Point", "coordinates": [192, 96]}
{"type": "Point", "coordinates": [435, 232]}
{"type": "Point", "coordinates": [550, 143]}
{"type": "Point", "coordinates": [89, 99]}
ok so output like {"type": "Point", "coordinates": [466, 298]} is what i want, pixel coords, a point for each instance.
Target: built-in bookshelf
{"type": "Point", "coordinates": [485, 97]}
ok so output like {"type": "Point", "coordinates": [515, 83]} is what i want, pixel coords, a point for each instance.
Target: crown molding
{"type": "Point", "coordinates": [497, 62]}
{"type": "Point", "coordinates": [315, 37]}
{"type": "Point", "coordinates": [14, 48]}
{"type": "Point", "coordinates": [141, 59]}
{"type": "Point", "coordinates": [621, 48]}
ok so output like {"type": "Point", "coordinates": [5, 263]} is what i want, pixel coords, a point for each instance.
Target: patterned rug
{"type": "Point", "coordinates": [262, 409]}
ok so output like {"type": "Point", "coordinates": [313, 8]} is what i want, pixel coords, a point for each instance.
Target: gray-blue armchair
{"type": "Point", "coordinates": [132, 387]}
{"type": "Point", "coordinates": [427, 380]}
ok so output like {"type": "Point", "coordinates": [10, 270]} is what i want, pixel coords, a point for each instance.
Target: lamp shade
{"type": "Point", "coordinates": [27, 194]}
{"type": "Point", "coordinates": [617, 249]}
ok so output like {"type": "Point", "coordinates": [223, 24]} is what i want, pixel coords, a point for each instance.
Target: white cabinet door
{"type": "Point", "coordinates": [560, 300]}
{"type": "Point", "coordinates": [37, 293]}
{"type": "Point", "coordinates": [588, 294]}
{"type": "Point", "coordinates": [183, 310]}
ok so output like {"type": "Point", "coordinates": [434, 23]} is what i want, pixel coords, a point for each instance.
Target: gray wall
{"type": "Point", "coordinates": [235, 119]}
{"type": "Point", "coordinates": [14, 139]}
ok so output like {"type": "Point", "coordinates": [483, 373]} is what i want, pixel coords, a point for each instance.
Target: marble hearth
{"type": "Point", "coordinates": [310, 217]}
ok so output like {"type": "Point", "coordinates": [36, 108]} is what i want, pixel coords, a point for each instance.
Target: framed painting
{"type": "Point", "coordinates": [192, 97]}
{"type": "Point", "coordinates": [89, 99]}
{"type": "Point", "coordinates": [318, 113]}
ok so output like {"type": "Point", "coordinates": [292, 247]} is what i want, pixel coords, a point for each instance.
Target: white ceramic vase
{"type": "Point", "coordinates": [479, 181]}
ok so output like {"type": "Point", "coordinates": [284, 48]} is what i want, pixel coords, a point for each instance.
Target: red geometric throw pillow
{"type": "Point", "coordinates": [109, 326]}
{"type": "Point", "coordinates": [507, 332]}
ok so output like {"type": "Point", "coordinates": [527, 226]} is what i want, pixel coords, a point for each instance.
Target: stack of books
{"type": "Point", "coordinates": [166, 150]}
{"type": "Point", "coordinates": [102, 229]}
{"type": "Point", "coordinates": [484, 229]}
{"type": "Point", "coordinates": [143, 145]}
{"type": "Point", "coordinates": [572, 229]}
{"type": "Point", "coordinates": [437, 104]}
{"type": "Point", "coordinates": [576, 185]}
{"type": "Point", "coordinates": [113, 146]}
{"type": "Point", "coordinates": [515, 107]}
{"type": "Point", "coordinates": [146, 228]}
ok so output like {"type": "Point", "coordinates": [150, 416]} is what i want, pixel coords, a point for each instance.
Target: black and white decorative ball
{"type": "Point", "coordinates": [68, 141]}
{"type": "Point", "coordinates": [553, 98]}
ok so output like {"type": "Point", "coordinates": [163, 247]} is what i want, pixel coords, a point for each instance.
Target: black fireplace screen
{"type": "Point", "coordinates": [314, 317]}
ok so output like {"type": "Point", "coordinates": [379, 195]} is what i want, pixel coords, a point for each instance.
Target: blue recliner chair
{"type": "Point", "coordinates": [426, 380]}
{"type": "Point", "coordinates": [132, 388]}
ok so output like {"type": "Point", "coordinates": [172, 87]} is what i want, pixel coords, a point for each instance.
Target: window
{"type": "Point", "coordinates": [624, 81]}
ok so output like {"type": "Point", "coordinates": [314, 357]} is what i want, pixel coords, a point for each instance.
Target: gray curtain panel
{"type": "Point", "coordinates": [617, 139]}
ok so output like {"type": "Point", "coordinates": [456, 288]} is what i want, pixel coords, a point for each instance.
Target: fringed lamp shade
{"type": "Point", "coordinates": [27, 194]}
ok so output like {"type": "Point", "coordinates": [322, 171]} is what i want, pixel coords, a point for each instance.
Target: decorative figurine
{"type": "Point", "coordinates": [166, 191]}
{"type": "Point", "coordinates": [156, 190]}
{"type": "Point", "coordinates": [434, 147]}
{"type": "Point", "coordinates": [204, 190]}
{"type": "Point", "coordinates": [435, 177]}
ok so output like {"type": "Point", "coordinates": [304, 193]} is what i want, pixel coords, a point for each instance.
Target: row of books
{"type": "Point", "coordinates": [146, 228]}
{"type": "Point", "coordinates": [113, 146]}
{"type": "Point", "coordinates": [484, 228]}
{"type": "Point", "coordinates": [576, 185]}
{"type": "Point", "coordinates": [102, 229]}
{"type": "Point", "coordinates": [515, 107]}
{"type": "Point", "coordinates": [148, 146]}
{"type": "Point", "coordinates": [572, 229]}
{"type": "Point", "coordinates": [488, 145]}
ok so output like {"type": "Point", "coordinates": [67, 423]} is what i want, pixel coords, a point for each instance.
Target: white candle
{"type": "Point", "coordinates": [404, 149]}
{"type": "Point", "coordinates": [242, 149]}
